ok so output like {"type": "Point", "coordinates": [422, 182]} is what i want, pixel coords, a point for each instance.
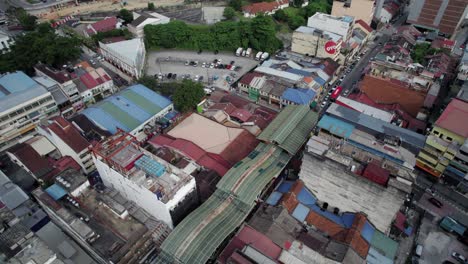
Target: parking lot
{"type": "Point", "coordinates": [173, 61]}
{"type": "Point", "coordinates": [438, 245]}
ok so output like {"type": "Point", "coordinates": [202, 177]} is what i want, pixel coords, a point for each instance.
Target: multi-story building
{"type": "Point", "coordinates": [23, 103]}
{"type": "Point", "coordinates": [456, 172]}
{"type": "Point", "coordinates": [443, 16]}
{"type": "Point", "coordinates": [166, 192]}
{"type": "Point", "coordinates": [128, 55]}
{"type": "Point", "coordinates": [340, 25]}
{"type": "Point", "coordinates": [65, 80]}
{"type": "Point", "coordinates": [317, 43]}
{"type": "Point", "coordinates": [143, 19]}
{"type": "Point", "coordinates": [69, 141]}
{"type": "Point", "coordinates": [366, 139]}
{"type": "Point", "coordinates": [445, 139]}
{"type": "Point", "coordinates": [95, 85]}
{"type": "Point", "coordinates": [359, 9]}
{"type": "Point", "coordinates": [62, 100]}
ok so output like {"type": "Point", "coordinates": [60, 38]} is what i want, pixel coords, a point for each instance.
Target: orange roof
{"type": "Point", "coordinates": [385, 92]}
{"type": "Point", "coordinates": [261, 7]}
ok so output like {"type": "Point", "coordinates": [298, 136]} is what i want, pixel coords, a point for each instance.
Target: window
{"type": "Point", "coordinates": [436, 132]}
{"type": "Point", "coordinates": [449, 138]}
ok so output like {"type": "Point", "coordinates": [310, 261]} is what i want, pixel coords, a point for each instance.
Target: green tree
{"type": "Point", "coordinates": [295, 22]}
{"type": "Point", "coordinates": [321, 6]}
{"type": "Point", "coordinates": [229, 13]}
{"type": "Point", "coordinates": [41, 45]}
{"type": "Point", "coordinates": [126, 15]}
{"type": "Point", "coordinates": [27, 21]}
{"type": "Point", "coordinates": [420, 51]}
{"type": "Point", "coordinates": [188, 95]}
{"type": "Point", "coordinates": [280, 15]}
{"type": "Point", "coordinates": [151, 6]}
{"type": "Point", "coordinates": [298, 3]}
{"type": "Point", "coordinates": [236, 4]}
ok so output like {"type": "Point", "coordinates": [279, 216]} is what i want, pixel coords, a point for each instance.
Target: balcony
{"type": "Point", "coordinates": [428, 158]}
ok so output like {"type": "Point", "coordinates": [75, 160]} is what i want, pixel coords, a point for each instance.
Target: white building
{"type": "Point", "coordinates": [339, 25]}
{"type": "Point", "coordinates": [23, 103]}
{"type": "Point", "coordinates": [143, 19]}
{"type": "Point", "coordinates": [317, 43]}
{"type": "Point", "coordinates": [68, 140]}
{"type": "Point", "coordinates": [128, 55]}
{"type": "Point", "coordinates": [163, 190]}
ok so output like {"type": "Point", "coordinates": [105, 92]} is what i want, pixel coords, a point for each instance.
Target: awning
{"type": "Point", "coordinates": [56, 192]}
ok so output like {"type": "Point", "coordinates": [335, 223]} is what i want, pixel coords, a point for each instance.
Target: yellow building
{"type": "Point", "coordinates": [359, 9]}
{"type": "Point", "coordinates": [448, 135]}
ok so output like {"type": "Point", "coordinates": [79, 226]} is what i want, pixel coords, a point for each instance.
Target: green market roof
{"type": "Point", "coordinates": [290, 129]}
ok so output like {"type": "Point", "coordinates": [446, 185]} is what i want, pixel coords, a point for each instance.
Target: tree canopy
{"type": "Point", "coordinates": [41, 45]}
{"type": "Point", "coordinates": [26, 20]}
{"type": "Point", "coordinates": [151, 6]}
{"type": "Point", "coordinates": [420, 51]}
{"type": "Point", "coordinates": [229, 13]}
{"type": "Point", "coordinates": [188, 95]}
{"type": "Point", "coordinates": [126, 15]}
{"type": "Point", "coordinates": [236, 4]}
{"type": "Point", "coordinates": [259, 34]}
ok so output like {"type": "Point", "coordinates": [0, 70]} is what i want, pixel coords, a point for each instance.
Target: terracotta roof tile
{"type": "Point", "coordinates": [69, 134]}
{"type": "Point", "coordinates": [453, 118]}
{"type": "Point", "coordinates": [384, 92]}
{"type": "Point", "coordinates": [364, 25]}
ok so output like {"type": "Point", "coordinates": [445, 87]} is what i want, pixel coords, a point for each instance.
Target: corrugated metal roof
{"type": "Point", "coordinates": [336, 126]}
{"type": "Point", "coordinates": [274, 198]}
{"type": "Point", "coordinates": [300, 212]}
{"type": "Point", "coordinates": [195, 239]}
{"type": "Point", "coordinates": [357, 118]}
{"type": "Point", "coordinates": [290, 128]}
{"type": "Point", "coordinates": [374, 257]}
{"type": "Point", "coordinates": [299, 96]}
{"type": "Point", "coordinates": [127, 109]}
{"type": "Point", "coordinates": [384, 245]}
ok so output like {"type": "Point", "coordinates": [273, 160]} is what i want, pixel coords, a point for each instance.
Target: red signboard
{"type": "Point", "coordinates": [336, 93]}
{"type": "Point", "coordinates": [330, 47]}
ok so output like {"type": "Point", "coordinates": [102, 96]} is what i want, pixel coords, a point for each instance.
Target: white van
{"type": "Point", "coordinates": [418, 251]}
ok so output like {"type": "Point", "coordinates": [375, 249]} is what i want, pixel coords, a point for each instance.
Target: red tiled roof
{"type": "Point", "coordinates": [364, 25]}
{"type": "Point", "coordinates": [239, 148]}
{"type": "Point", "coordinates": [241, 114]}
{"type": "Point", "coordinates": [208, 160]}
{"type": "Point", "coordinates": [247, 78]}
{"type": "Point", "coordinates": [454, 118]}
{"type": "Point", "coordinates": [66, 163]}
{"type": "Point", "coordinates": [226, 107]}
{"type": "Point", "coordinates": [38, 165]}
{"type": "Point", "coordinates": [263, 7]}
{"type": "Point", "coordinates": [384, 92]}
{"type": "Point", "coordinates": [375, 173]}
{"type": "Point", "coordinates": [90, 82]}
{"type": "Point", "coordinates": [68, 134]}
{"type": "Point", "coordinates": [103, 25]}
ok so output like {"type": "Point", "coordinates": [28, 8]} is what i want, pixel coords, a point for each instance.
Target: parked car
{"type": "Point", "coordinates": [323, 104]}
{"type": "Point", "coordinates": [435, 202]}
{"type": "Point", "coordinates": [419, 250]}
{"type": "Point", "coordinates": [459, 257]}
{"type": "Point", "coordinates": [169, 75]}
{"type": "Point", "coordinates": [187, 63]}
{"type": "Point", "coordinates": [195, 64]}
{"type": "Point", "coordinates": [174, 76]}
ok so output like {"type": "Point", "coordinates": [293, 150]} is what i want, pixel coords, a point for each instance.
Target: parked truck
{"type": "Point", "coordinates": [259, 55]}
{"type": "Point", "coordinates": [248, 52]}
{"type": "Point", "coordinates": [265, 56]}
{"type": "Point", "coordinates": [239, 51]}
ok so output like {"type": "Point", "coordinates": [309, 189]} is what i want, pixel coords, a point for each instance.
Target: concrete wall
{"type": "Point", "coordinates": [307, 44]}
{"type": "Point", "coordinates": [133, 192]}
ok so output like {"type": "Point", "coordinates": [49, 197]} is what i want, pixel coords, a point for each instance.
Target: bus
{"type": "Point", "coordinates": [336, 93]}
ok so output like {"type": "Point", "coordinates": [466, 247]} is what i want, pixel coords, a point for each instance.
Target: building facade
{"type": "Point", "coordinates": [316, 43]}
{"type": "Point", "coordinates": [446, 138]}
{"type": "Point", "coordinates": [23, 104]}
{"type": "Point", "coordinates": [128, 56]}
{"type": "Point", "coordinates": [163, 190]}
{"type": "Point", "coordinates": [342, 26]}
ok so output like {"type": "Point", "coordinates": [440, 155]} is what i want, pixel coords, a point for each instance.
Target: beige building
{"type": "Point", "coordinates": [359, 9]}
{"type": "Point", "coordinates": [313, 42]}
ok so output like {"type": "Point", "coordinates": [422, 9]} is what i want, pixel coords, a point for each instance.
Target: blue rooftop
{"type": "Point", "coordinates": [17, 88]}
{"type": "Point", "coordinates": [150, 166]}
{"type": "Point", "coordinates": [274, 198]}
{"type": "Point", "coordinates": [127, 109]}
{"type": "Point", "coordinates": [56, 192]}
{"type": "Point", "coordinates": [336, 126]}
{"type": "Point", "coordinates": [299, 96]}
